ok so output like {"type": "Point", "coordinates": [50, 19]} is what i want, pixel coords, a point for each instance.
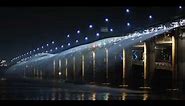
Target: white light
{"type": "Point", "coordinates": [68, 36]}
{"type": "Point", "coordinates": [180, 7]}
{"type": "Point", "coordinates": [86, 38]}
{"type": "Point", "coordinates": [62, 46]}
{"type": "Point", "coordinates": [34, 50]}
{"type": "Point", "coordinates": [51, 50]}
{"type": "Point", "coordinates": [47, 45]}
{"type": "Point", "coordinates": [128, 24]}
{"type": "Point", "coordinates": [68, 44]}
{"type": "Point", "coordinates": [127, 10]}
{"type": "Point", "coordinates": [90, 26]}
{"type": "Point", "coordinates": [106, 19]}
{"type": "Point", "coordinates": [42, 47]}
{"type": "Point", "coordinates": [111, 30]}
{"type": "Point", "coordinates": [59, 73]}
{"type": "Point", "coordinates": [78, 31]}
{"type": "Point", "coordinates": [37, 48]}
{"type": "Point", "coordinates": [53, 42]}
{"type": "Point", "coordinates": [150, 16]}
{"type": "Point", "coordinates": [76, 41]}
{"type": "Point", "coordinates": [97, 34]}
{"type": "Point", "coordinates": [56, 48]}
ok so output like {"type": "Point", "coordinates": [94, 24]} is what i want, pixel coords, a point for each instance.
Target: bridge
{"type": "Point", "coordinates": [122, 60]}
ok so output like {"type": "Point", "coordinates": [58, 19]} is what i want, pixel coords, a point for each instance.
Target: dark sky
{"type": "Point", "coordinates": [25, 28]}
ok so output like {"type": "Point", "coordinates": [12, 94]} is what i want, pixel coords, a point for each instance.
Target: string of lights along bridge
{"type": "Point", "coordinates": [92, 33]}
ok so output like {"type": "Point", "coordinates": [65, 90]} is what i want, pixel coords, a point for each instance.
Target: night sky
{"type": "Point", "coordinates": [25, 28]}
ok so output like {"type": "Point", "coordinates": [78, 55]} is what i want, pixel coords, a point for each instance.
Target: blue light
{"type": "Point", "coordinates": [97, 34]}
{"type": "Point", "coordinates": [68, 44]}
{"type": "Point", "coordinates": [56, 48]}
{"type": "Point", "coordinates": [106, 19]}
{"type": "Point", "coordinates": [90, 26]}
{"type": "Point", "coordinates": [37, 48]}
{"type": "Point", "coordinates": [128, 24]}
{"type": "Point", "coordinates": [34, 50]}
{"type": "Point", "coordinates": [78, 31]}
{"type": "Point", "coordinates": [42, 47]}
{"type": "Point", "coordinates": [127, 10]}
{"type": "Point", "coordinates": [111, 30]}
{"type": "Point", "coordinates": [86, 38]}
{"type": "Point", "coordinates": [76, 41]}
{"type": "Point", "coordinates": [51, 50]}
{"type": "Point", "coordinates": [62, 46]}
{"type": "Point", "coordinates": [68, 36]}
{"type": "Point", "coordinates": [47, 45]}
{"type": "Point", "coordinates": [53, 42]}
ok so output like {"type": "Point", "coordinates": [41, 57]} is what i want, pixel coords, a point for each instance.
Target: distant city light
{"type": "Point", "coordinates": [106, 19]}
{"type": "Point", "coordinates": [34, 50]}
{"type": "Point", "coordinates": [62, 46]}
{"type": "Point", "coordinates": [76, 41]}
{"type": "Point", "coordinates": [47, 45]}
{"type": "Point", "coordinates": [180, 7]}
{"type": "Point", "coordinates": [90, 26]}
{"type": "Point", "coordinates": [42, 47]}
{"type": "Point", "coordinates": [68, 44]}
{"type": "Point", "coordinates": [86, 38]}
{"type": "Point", "coordinates": [51, 50]}
{"type": "Point", "coordinates": [97, 34]}
{"type": "Point", "coordinates": [111, 30]}
{"type": "Point", "coordinates": [68, 36]}
{"type": "Point", "coordinates": [128, 24]}
{"type": "Point", "coordinates": [78, 31]}
{"type": "Point", "coordinates": [56, 48]}
{"type": "Point", "coordinates": [127, 10]}
{"type": "Point", "coordinates": [37, 48]}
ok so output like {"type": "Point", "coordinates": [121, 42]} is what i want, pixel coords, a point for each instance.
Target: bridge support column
{"type": "Point", "coordinates": [74, 70]}
{"type": "Point", "coordinates": [94, 65]}
{"type": "Point", "coordinates": [181, 60]}
{"type": "Point", "coordinates": [149, 62]}
{"type": "Point", "coordinates": [82, 67]}
{"type": "Point", "coordinates": [127, 66]}
{"type": "Point", "coordinates": [66, 69]}
{"type": "Point", "coordinates": [59, 65]}
{"type": "Point", "coordinates": [54, 70]}
{"type": "Point", "coordinates": [107, 65]}
{"type": "Point", "coordinates": [174, 63]}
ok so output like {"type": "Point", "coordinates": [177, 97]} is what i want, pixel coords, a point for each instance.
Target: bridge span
{"type": "Point", "coordinates": [136, 57]}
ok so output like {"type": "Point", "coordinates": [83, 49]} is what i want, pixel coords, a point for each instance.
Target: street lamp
{"type": "Point", "coordinates": [127, 10]}
{"type": "Point", "coordinates": [106, 19]}
{"type": "Point", "coordinates": [97, 34]}
{"type": "Point", "coordinates": [128, 24]}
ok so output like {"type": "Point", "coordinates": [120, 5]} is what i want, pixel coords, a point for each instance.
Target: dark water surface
{"type": "Point", "coordinates": [67, 91]}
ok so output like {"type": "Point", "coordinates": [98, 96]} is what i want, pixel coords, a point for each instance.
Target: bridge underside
{"type": "Point", "coordinates": [140, 61]}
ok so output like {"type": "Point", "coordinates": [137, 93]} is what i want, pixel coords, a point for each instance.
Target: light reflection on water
{"type": "Point", "coordinates": [47, 93]}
